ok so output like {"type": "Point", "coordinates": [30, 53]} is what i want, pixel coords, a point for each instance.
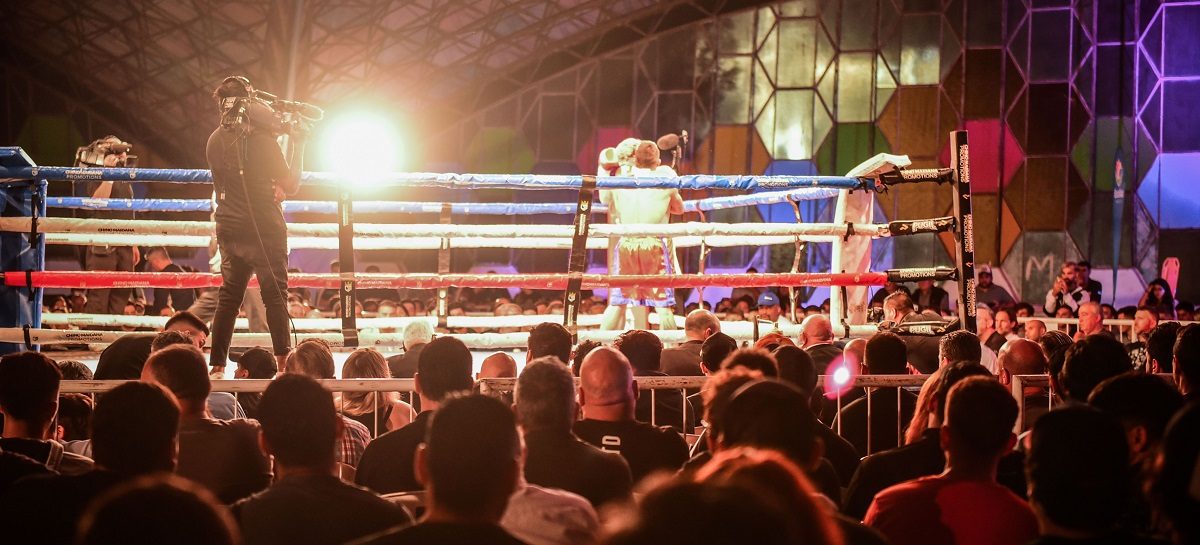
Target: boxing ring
{"type": "Point", "coordinates": [26, 230]}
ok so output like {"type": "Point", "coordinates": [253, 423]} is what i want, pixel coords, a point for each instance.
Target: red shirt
{"type": "Point", "coordinates": [938, 510]}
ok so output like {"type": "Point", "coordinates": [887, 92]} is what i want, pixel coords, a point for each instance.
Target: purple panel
{"type": "Point", "coordinates": [1109, 20]}
{"type": "Point", "coordinates": [1048, 107]}
{"type": "Point", "coordinates": [1050, 38]}
{"type": "Point", "coordinates": [1147, 79]}
{"type": "Point", "coordinates": [1114, 80]}
{"type": "Point", "coordinates": [983, 23]}
{"type": "Point", "coordinates": [1182, 52]}
{"type": "Point", "coordinates": [1152, 41]}
{"type": "Point", "coordinates": [1146, 10]}
{"type": "Point", "coordinates": [1019, 46]}
{"type": "Point", "coordinates": [1181, 109]}
{"type": "Point", "coordinates": [1084, 79]}
{"type": "Point", "coordinates": [1169, 191]}
{"type": "Point", "coordinates": [1151, 116]}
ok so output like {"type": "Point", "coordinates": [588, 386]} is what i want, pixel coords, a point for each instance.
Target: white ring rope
{"type": "Point", "coordinates": [741, 331]}
{"type": "Point", "coordinates": [421, 243]}
{"type": "Point", "coordinates": [373, 230]}
{"type": "Point", "coordinates": [332, 324]}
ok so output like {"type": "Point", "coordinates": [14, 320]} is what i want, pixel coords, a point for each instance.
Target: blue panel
{"type": "Point", "coordinates": [782, 212]}
{"type": "Point", "coordinates": [1169, 191]}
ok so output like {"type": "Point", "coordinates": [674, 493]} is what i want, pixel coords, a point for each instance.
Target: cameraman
{"type": "Point", "coordinates": [1066, 292]}
{"type": "Point", "coordinates": [111, 152]}
{"type": "Point", "coordinates": [251, 177]}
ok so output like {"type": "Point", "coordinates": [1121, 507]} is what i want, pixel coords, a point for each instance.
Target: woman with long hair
{"type": "Point", "coordinates": [1158, 297]}
{"type": "Point", "coordinates": [378, 411]}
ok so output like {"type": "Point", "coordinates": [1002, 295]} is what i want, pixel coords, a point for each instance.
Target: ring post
{"type": "Point", "coordinates": [577, 262]}
{"type": "Point", "coordinates": [21, 252]}
{"type": "Point", "coordinates": [346, 264]}
{"type": "Point", "coordinates": [965, 234]}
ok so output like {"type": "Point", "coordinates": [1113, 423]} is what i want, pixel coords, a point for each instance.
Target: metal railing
{"type": "Point", "coordinates": [1121, 329]}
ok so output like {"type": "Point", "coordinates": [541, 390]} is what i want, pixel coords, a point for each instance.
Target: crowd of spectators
{"type": "Point", "coordinates": [578, 453]}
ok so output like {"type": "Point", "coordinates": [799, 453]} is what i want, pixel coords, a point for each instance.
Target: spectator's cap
{"type": "Point", "coordinates": [768, 299]}
{"type": "Point", "coordinates": [984, 270]}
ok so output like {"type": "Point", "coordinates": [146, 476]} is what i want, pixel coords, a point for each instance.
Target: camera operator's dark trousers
{"type": "Point", "coordinates": [240, 259]}
{"type": "Point", "coordinates": [108, 258]}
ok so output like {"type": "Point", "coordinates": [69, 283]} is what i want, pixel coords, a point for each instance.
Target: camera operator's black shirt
{"type": "Point", "coordinates": [264, 163]}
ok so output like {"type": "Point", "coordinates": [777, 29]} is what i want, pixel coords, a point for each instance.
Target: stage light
{"type": "Point", "coordinates": [841, 374]}
{"type": "Point", "coordinates": [361, 145]}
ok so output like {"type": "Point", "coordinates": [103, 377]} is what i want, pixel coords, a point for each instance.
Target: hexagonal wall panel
{"type": "Point", "coordinates": [917, 120]}
{"type": "Point", "coordinates": [987, 172]}
{"type": "Point", "coordinates": [1042, 195]}
{"type": "Point", "coordinates": [500, 150]}
{"type": "Point", "coordinates": [1169, 191]}
{"type": "Point", "coordinates": [728, 149]}
{"type": "Point", "coordinates": [1094, 155]}
{"type": "Point", "coordinates": [996, 230]}
{"type": "Point", "coordinates": [1034, 262]}
{"type": "Point", "coordinates": [848, 145]}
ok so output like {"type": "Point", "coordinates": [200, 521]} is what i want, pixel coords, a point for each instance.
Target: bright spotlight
{"type": "Point", "coordinates": [841, 376]}
{"type": "Point", "coordinates": [361, 145]}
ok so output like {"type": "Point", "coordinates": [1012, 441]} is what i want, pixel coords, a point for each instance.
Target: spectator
{"type": "Point", "coordinates": [834, 400]}
{"type": "Point", "coordinates": [885, 355]}
{"type": "Point", "coordinates": [1158, 297]}
{"type": "Point", "coordinates": [74, 370]}
{"type": "Point", "coordinates": [1186, 361]}
{"type": "Point", "coordinates": [470, 462]}
{"type": "Point", "coordinates": [1144, 321]}
{"type": "Point", "coordinates": [887, 290]}
{"type": "Point", "coordinates": [1083, 277]}
{"type": "Point", "coordinates": [555, 457]}
{"type": "Point", "coordinates": [754, 359]}
{"type": "Point", "coordinates": [222, 455]}
{"type": "Point", "coordinates": [607, 397]}
{"type": "Point", "coordinates": [416, 335]}
{"type": "Point", "coordinates": [714, 350]}
{"type": "Point", "coordinates": [387, 465]}
{"type": "Point", "coordinates": [158, 260]}
{"type": "Point", "coordinates": [644, 351]}
{"type": "Point", "coordinates": [1055, 340]}
{"type": "Point", "coordinates": [768, 414]}
{"type": "Point", "coordinates": [1173, 488]}
{"type": "Point", "coordinates": [922, 455]}
{"type": "Point", "coordinates": [1066, 292]}
{"type": "Point", "coordinates": [1088, 362]}
{"type": "Point", "coordinates": [299, 423]}
{"type": "Point", "coordinates": [770, 309]}
{"type": "Point", "coordinates": [777, 479]}
{"type": "Point", "coordinates": [1006, 324]}
{"type": "Point", "coordinates": [960, 345]}
{"type": "Point", "coordinates": [932, 298]}
{"type": "Point", "coordinates": [922, 349]}
{"type": "Point", "coordinates": [684, 360]}
{"type": "Point", "coordinates": [1025, 357]}
{"type": "Point", "coordinates": [221, 405]}
{"type": "Point", "coordinates": [134, 433]}
{"type": "Point", "coordinates": [716, 393]}
{"type": "Point", "coordinates": [1090, 321]}
{"type": "Point", "coordinates": [1160, 348]}
{"type": "Point", "coordinates": [1079, 477]}
{"type": "Point", "coordinates": [74, 413]}
{"type": "Point", "coordinates": [29, 384]}
{"type": "Point", "coordinates": [581, 351]}
{"type": "Point", "coordinates": [157, 509]}
{"type": "Point", "coordinates": [946, 508]}
{"type": "Point", "coordinates": [988, 293]}
{"type": "Point", "coordinates": [497, 365]}
{"type": "Point", "coordinates": [256, 364]}
{"type": "Point", "coordinates": [124, 358]}
{"type": "Point", "coordinates": [549, 339]}
{"type": "Point", "coordinates": [14, 467]}
{"type": "Point", "coordinates": [1185, 311]}
{"type": "Point", "coordinates": [1034, 329]}
{"type": "Point", "coordinates": [986, 323]}
{"type": "Point", "coordinates": [378, 411]}
{"type": "Point", "coordinates": [312, 358]}
{"type": "Point", "coordinates": [816, 338]}
{"type": "Point", "coordinates": [796, 368]}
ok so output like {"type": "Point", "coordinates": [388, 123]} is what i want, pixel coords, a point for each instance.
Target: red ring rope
{"type": "Point", "coordinates": [110, 279]}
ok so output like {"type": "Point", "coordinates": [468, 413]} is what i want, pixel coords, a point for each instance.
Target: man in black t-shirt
{"type": "Point", "coordinates": [608, 395]}
{"type": "Point", "coordinates": [251, 178]}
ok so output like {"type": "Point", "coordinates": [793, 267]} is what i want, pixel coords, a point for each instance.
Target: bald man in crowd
{"type": "Point", "coordinates": [608, 395]}
{"type": "Point", "coordinates": [1034, 329]}
{"type": "Point", "coordinates": [816, 338]}
{"type": "Point", "coordinates": [498, 365]}
{"type": "Point", "coordinates": [684, 360]}
{"type": "Point", "coordinates": [1025, 357]}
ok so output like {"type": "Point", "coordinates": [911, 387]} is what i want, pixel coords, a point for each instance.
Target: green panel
{"type": "Point", "coordinates": [737, 33]}
{"type": "Point", "coordinates": [848, 146]}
